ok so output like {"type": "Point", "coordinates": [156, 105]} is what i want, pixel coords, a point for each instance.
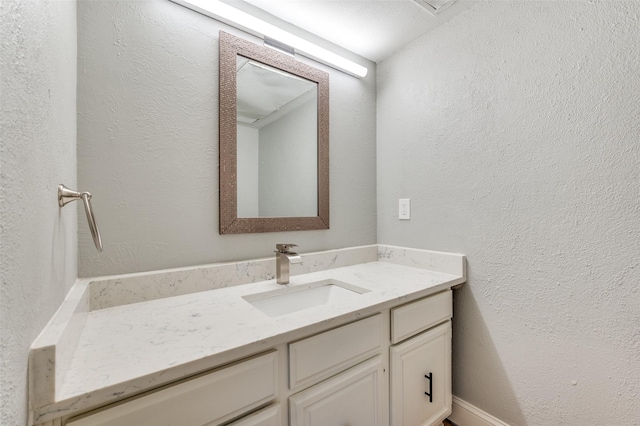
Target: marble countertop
{"type": "Point", "coordinates": [125, 349]}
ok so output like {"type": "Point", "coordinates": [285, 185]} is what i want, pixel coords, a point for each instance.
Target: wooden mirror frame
{"type": "Point", "coordinates": [230, 223]}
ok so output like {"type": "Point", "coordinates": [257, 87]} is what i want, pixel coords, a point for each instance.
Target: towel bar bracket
{"type": "Point", "coordinates": [66, 195]}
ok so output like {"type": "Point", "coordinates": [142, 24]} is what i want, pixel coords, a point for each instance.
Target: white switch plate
{"type": "Point", "coordinates": [404, 209]}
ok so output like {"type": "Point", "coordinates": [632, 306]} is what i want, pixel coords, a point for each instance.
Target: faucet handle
{"type": "Point", "coordinates": [283, 248]}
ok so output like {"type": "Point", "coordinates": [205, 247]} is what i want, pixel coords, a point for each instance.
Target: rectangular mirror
{"type": "Point", "coordinates": [274, 140]}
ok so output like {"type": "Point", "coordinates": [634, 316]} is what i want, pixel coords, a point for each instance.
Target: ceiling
{"type": "Point", "coordinates": [374, 29]}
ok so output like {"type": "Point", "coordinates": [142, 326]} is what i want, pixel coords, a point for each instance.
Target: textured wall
{"type": "Point", "coordinates": [148, 144]}
{"type": "Point", "coordinates": [38, 242]}
{"type": "Point", "coordinates": [514, 129]}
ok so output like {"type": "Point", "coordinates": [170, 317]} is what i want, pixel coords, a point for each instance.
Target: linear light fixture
{"type": "Point", "coordinates": [236, 18]}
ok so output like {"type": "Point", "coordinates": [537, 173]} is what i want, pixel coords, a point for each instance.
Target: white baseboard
{"type": "Point", "coordinates": [465, 414]}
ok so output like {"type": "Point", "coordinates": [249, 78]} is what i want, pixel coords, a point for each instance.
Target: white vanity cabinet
{"type": "Point", "coordinates": [421, 365]}
{"type": "Point", "coordinates": [372, 371]}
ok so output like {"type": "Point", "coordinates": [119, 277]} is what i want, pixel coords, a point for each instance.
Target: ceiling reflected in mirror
{"type": "Point", "coordinates": [266, 93]}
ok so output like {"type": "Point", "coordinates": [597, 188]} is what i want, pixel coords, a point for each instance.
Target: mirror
{"type": "Point", "coordinates": [277, 119]}
{"type": "Point", "coordinates": [274, 141]}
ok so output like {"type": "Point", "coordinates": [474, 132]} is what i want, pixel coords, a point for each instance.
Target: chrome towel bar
{"type": "Point", "coordinates": [66, 195]}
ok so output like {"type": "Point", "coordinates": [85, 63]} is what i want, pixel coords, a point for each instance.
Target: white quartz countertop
{"type": "Point", "coordinates": [124, 350]}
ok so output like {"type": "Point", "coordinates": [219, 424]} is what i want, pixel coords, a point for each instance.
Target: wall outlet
{"type": "Point", "coordinates": [404, 209]}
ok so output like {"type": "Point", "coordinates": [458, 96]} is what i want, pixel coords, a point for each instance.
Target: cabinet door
{"type": "Point", "coordinates": [353, 398]}
{"type": "Point", "coordinates": [421, 378]}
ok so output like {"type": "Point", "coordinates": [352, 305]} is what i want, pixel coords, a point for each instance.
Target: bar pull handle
{"type": "Point", "coordinates": [430, 393]}
{"type": "Point", "coordinates": [66, 195]}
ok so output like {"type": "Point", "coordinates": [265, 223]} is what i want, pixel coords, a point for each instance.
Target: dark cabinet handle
{"type": "Point", "coordinates": [430, 393]}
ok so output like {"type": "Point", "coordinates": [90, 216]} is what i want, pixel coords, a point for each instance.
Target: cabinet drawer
{"type": "Point", "coordinates": [209, 399]}
{"type": "Point", "coordinates": [318, 357]}
{"type": "Point", "coordinates": [411, 319]}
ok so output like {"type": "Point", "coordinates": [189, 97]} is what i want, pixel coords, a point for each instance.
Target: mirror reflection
{"type": "Point", "coordinates": [277, 154]}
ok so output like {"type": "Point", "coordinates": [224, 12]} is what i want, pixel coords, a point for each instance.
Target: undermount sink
{"type": "Point", "coordinates": [293, 299]}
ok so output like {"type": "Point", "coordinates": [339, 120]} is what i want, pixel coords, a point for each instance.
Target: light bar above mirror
{"type": "Point", "coordinates": [236, 18]}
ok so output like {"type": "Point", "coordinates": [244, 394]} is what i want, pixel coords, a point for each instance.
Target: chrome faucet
{"type": "Point", "coordinates": [285, 257]}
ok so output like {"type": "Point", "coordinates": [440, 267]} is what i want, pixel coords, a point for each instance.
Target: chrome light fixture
{"type": "Point", "coordinates": [236, 18]}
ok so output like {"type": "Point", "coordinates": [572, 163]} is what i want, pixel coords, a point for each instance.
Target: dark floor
{"type": "Point", "coordinates": [448, 423]}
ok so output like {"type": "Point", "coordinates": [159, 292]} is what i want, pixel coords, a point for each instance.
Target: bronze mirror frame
{"type": "Point", "coordinates": [230, 47]}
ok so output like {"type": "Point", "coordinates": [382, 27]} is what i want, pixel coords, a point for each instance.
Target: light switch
{"type": "Point", "coordinates": [404, 209]}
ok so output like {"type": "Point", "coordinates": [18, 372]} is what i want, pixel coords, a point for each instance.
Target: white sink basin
{"type": "Point", "coordinates": [293, 299]}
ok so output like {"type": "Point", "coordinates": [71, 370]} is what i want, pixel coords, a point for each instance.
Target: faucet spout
{"type": "Point", "coordinates": [284, 258]}
{"type": "Point", "coordinates": [293, 258]}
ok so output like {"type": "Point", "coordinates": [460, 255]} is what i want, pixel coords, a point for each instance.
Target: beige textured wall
{"type": "Point", "coordinates": [514, 129]}
{"type": "Point", "coordinates": [38, 240]}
